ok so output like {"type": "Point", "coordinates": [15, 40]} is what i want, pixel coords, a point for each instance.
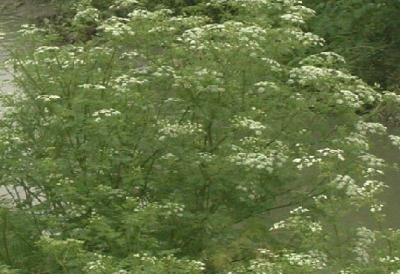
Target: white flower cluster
{"type": "Point", "coordinates": [25, 63]}
{"type": "Point", "coordinates": [178, 129]}
{"type": "Point", "coordinates": [47, 98]}
{"type": "Point", "coordinates": [299, 210]}
{"type": "Point", "coordinates": [349, 185]}
{"type": "Point", "coordinates": [110, 192]}
{"type": "Point", "coordinates": [366, 239]}
{"type": "Point", "coordinates": [305, 38]}
{"type": "Point", "coordinates": [139, 14]}
{"type": "Point", "coordinates": [267, 253]}
{"type": "Point", "coordinates": [161, 29]}
{"type": "Point", "coordinates": [116, 27]}
{"type": "Point", "coordinates": [92, 87]}
{"type": "Point", "coordinates": [266, 160]}
{"type": "Point", "coordinates": [302, 10]}
{"type": "Point", "coordinates": [272, 64]}
{"type": "Point", "coordinates": [121, 271]}
{"type": "Point", "coordinates": [44, 49]}
{"type": "Point", "coordinates": [239, 1]}
{"type": "Point", "coordinates": [97, 51]}
{"type": "Point", "coordinates": [346, 97]}
{"type": "Point", "coordinates": [123, 4]}
{"type": "Point", "coordinates": [320, 199]}
{"type": "Point", "coordinates": [231, 35]}
{"type": "Point", "coordinates": [97, 266]}
{"type": "Point", "coordinates": [296, 18]}
{"type": "Point", "coordinates": [211, 88]}
{"type": "Point", "coordinates": [86, 13]}
{"type": "Point", "coordinates": [173, 209]}
{"type": "Point", "coordinates": [262, 266]}
{"type": "Point", "coordinates": [310, 160]}
{"type": "Point", "coordinates": [125, 80]}
{"type": "Point", "coordinates": [298, 96]}
{"type": "Point", "coordinates": [373, 163]}
{"type": "Point", "coordinates": [288, 2]}
{"type": "Point", "coordinates": [165, 71]}
{"type": "Point", "coordinates": [372, 128]}
{"type": "Point", "coordinates": [188, 21]}
{"type": "Point", "coordinates": [195, 37]}
{"type": "Point", "coordinates": [318, 77]}
{"type": "Point", "coordinates": [358, 140]}
{"type": "Point", "coordinates": [298, 221]}
{"type": "Point", "coordinates": [368, 190]}
{"type": "Point", "coordinates": [105, 113]}
{"type": "Point", "coordinates": [124, 83]}
{"type": "Point", "coordinates": [74, 211]}
{"type": "Point", "coordinates": [328, 59]}
{"type": "Point", "coordinates": [249, 191]}
{"type": "Point", "coordinates": [306, 161]}
{"type": "Point", "coordinates": [29, 29]}
{"type": "Point", "coordinates": [328, 152]}
{"type": "Point", "coordinates": [194, 266]}
{"type": "Point", "coordinates": [173, 100]}
{"type": "Point", "coordinates": [252, 32]}
{"type": "Point", "coordinates": [165, 210]}
{"type": "Point", "coordinates": [244, 122]}
{"type": "Point", "coordinates": [267, 264]}
{"type": "Point", "coordinates": [56, 57]}
{"type": "Point", "coordinates": [373, 187]}
{"type": "Point", "coordinates": [391, 97]}
{"type": "Point", "coordinates": [205, 71]}
{"type": "Point", "coordinates": [271, 263]}
{"type": "Point", "coordinates": [203, 80]}
{"type": "Point", "coordinates": [395, 140]}
{"type": "Point", "coordinates": [376, 208]}
{"type": "Point", "coordinates": [204, 157]}
{"type": "Point", "coordinates": [254, 160]}
{"type": "Point", "coordinates": [366, 93]}
{"type": "Point", "coordinates": [169, 156]}
{"type": "Point", "coordinates": [129, 55]}
{"type": "Point", "coordinates": [261, 87]}
{"type": "Point", "coordinates": [314, 259]}
{"type": "Point", "coordinates": [389, 259]}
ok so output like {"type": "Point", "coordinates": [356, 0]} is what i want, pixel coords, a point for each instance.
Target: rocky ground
{"type": "Point", "coordinates": [29, 9]}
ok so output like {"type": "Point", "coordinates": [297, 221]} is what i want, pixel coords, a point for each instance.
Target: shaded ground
{"type": "Point", "coordinates": [27, 9]}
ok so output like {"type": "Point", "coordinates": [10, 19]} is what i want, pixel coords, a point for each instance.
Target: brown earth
{"type": "Point", "coordinates": [29, 9]}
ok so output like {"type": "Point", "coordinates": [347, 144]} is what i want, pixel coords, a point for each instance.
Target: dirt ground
{"type": "Point", "coordinates": [28, 9]}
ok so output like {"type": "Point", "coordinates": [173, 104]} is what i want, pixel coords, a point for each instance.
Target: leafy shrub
{"type": "Point", "coordinates": [167, 142]}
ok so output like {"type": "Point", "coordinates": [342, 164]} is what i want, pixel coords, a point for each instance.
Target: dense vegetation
{"type": "Point", "coordinates": [366, 33]}
{"type": "Point", "coordinates": [192, 137]}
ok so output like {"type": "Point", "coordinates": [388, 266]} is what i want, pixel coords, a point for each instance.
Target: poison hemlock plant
{"type": "Point", "coordinates": [169, 143]}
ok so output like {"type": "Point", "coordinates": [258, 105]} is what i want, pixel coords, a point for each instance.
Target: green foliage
{"type": "Point", "coordinates": [168, 142]}
{"type": "Point", "coordinates": [18, 232]}
{"type": "Point", "coordinates": [365, 32]}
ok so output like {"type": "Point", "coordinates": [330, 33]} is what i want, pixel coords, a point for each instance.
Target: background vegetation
{"type": "Point", "coordinates": [366, 33]}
